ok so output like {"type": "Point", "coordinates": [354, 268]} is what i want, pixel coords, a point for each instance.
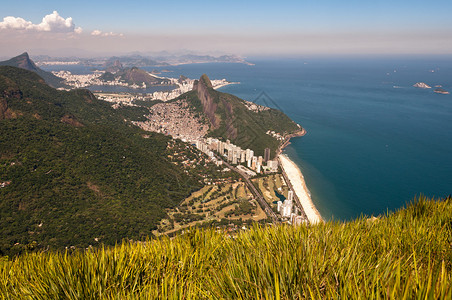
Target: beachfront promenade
{"type": "Point", "coordinates": [294, 178]}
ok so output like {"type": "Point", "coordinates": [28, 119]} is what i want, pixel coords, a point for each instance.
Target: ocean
{"type": "Point", "coordinates": [373, 143]}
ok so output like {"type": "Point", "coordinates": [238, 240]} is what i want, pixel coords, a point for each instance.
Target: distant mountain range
{"type": "Point", "coordinates": [139, 60]}
{"type": "Point", "coordinates": [23, 61]}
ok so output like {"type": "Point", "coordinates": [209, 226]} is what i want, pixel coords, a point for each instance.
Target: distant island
{"type": "Point", "coordinates": [422, 85]}
{"type": "Point", "coordinates": [438, 88]}
{"type": "Point", "coordinates": [441, 91]}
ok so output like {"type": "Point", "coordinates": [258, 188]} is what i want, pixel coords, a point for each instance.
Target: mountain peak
{"type": "Point", "coordinates": [23, 61]}
{"type": "Point", "coordinates": [203, 88]}
{"type": "Point", "coordinates": [203, 83]}
{"type": "Point", "coordinates": [204, 79]}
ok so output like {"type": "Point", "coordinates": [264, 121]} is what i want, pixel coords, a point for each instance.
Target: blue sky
{"type": "Point", "coordinates": [313, 26]}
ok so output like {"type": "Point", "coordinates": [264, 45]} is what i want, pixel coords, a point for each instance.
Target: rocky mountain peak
{"type": "Point", "coordinates": [23, 61]}
{"type": "Point", "coordinates": [203, 88]}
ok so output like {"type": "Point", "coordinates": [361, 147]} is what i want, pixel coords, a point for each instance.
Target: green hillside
{"type": "Point", "coordinates": [229, 118]}
{"type": "Point", "coordinates": [74, 172]}
{"type": "Point", "coordinates": [404, 255]}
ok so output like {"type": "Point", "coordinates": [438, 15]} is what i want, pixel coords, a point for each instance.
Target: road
{"type": "Point", "coordinates": [257, 195]}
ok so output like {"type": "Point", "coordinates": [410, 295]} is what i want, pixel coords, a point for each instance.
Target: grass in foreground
{"type": "Point", "coordinates": [407, 254]}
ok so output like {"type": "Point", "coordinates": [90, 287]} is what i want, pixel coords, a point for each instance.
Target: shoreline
{"type": "Point", "coordinates": [225, 84]}
{"type": "Point", "coordinates": [298, 183]}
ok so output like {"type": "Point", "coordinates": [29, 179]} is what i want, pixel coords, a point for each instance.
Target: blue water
{"type": "Point", "coordinates": [374, 142]}
{"type": "Point", "coordinates": [280, 197]}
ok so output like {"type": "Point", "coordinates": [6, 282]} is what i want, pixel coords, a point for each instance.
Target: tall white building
{"type": "Point", "coordinates": [287, 208]}
{"type": "Point", "coordinates": [242, 156]}
{"type": "Point", "coordinates": [220, 148]}
{"type": "Point", "coordinates": [253, 163]}
{"type": "Point", "coordinates": [234, 157]}
{"type": "Point", "coordinates": [290, 195]}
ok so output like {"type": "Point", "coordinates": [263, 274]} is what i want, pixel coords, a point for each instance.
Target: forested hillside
{"type": "Point", "coordinates": [75, 172]}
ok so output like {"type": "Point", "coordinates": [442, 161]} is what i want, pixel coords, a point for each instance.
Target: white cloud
{"type": "Point", "coordinates": [100, 33]}
{"type": "Point", "coordinates": [96, 32]}
{"type": "Point", "coordinates": [15, 23]}
{"type": "Point", "coordinates": [50, 23]}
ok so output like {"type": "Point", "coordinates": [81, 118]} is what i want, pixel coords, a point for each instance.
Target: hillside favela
{"type": "Point", "coordinates": [240, 150]}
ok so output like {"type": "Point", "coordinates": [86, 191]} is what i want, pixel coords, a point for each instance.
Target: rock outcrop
{"type": "Point", "coordinates": [441, 91]}
{"type": "Point", "coordinates": [422, 85]}
{"type": "Point", "coordinates": [204, 90]}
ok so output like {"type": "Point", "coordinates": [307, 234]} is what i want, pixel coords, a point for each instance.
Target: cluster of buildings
{"type": "Point", "coordinates": [255, 107]}
{"type": "Point", "coordinates": [238, 156]}
{"type": "Point", "coordinates": [58, 63]}
{"type": "Point", "coordinates": [121, 98]}
{"type": "Point", "coordinates": [288, 210]}
{"type": "Point", "coordinates": [85, 80]}
{"type": "Point", "coordinates": [80, 81]}
{"type": "Point", "coordinates": [276, 135]}
{"type": "Point", "coordinates": [174, 119]}
{"type": "Point", "coordinates": [184, 86]}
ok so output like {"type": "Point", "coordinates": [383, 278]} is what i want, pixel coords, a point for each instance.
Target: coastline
{"type": "Point", "coordinates": [224, 84]}
{"type": "Point", "coordinates": [298, 183]}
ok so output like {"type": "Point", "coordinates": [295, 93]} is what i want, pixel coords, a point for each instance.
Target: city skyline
{"type": "Point", "coordinates": [251, 28]}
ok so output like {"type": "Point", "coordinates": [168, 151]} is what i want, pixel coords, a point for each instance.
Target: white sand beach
{"type": "Point", "coordinates": [300, 189]}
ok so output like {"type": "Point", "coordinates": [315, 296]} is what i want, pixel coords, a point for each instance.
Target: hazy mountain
{"type": "Point", "coordinates": [23, 61]}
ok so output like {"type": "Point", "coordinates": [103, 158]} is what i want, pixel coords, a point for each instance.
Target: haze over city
{"type": "Point", "coordinates": [86, 28]}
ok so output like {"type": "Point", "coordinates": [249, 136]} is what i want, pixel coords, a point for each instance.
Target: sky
{"type": "Point", "coordinates": [247, 28]}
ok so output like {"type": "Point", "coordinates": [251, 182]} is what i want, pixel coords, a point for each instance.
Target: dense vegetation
{"type": "Point", "coordinates": [405, 255]}
{"type": "Point", "coordinates": [75, 173]}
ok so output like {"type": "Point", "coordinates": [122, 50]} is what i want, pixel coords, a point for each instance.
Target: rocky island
{"type": "Point", "coordinates": [441, 91]}
{"type": "Point", "coordinates": [422, 85]}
